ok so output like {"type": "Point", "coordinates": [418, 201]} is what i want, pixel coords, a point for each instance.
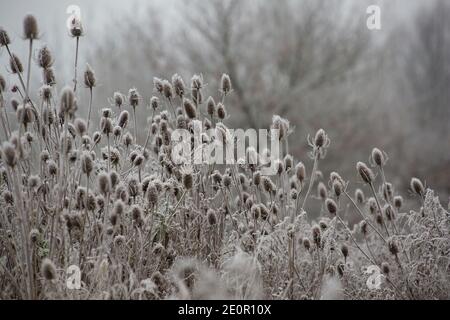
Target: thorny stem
{"type": "Point", "coordinates": [29, 69]}
{"type": "Point", "coordinates": [313, 177]}
{"type": "Point", "coordinates": [90, 108]}
{"type": "Point", "coordinates": [76, 65]}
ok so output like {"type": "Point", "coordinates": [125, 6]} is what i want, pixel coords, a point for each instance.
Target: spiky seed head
{"type": "Point", "coordinates": [389, 212]}
{"type": "Point", "coordinates": [393, 247]}
{"type": "Point", "coordinates": [378, 157]}
{"type": "Point", "coordinates": [210, 106]}
{"type": "Point", "coordinates": [4, 38]}
{"type": "Point", "coordinates": [45, 59]}
{"type": "Point", "coordinates": [257, 178]}
{"type": "Point", "coordinates": [187, 178]}
{"type": "Point", "coordinates": [359, 196]}
{"type": "Point", "coordinates": [365, 172]}
{"type": "Point", "coordinates": [417, 186]}
{"type": "Point", "coordinates": [15, 64]}
{"type": "Point", "coordinates": [320, 138]}
{"type": "Point", "coordinates": [87, 164]}
{"type": "Point", "coordinates": [316, 234]}
{"type": "Point", "coordinates": [48, 269]}
{"type": "Point", "coordinates": [154, 102]}
{"type": "Point", "coordinates": [136, 213]}
{"type": "Point", "coordinates": [158, 85]}
{"type": "Point", "coordinates": [212, 218]}
{"type": "Point", "coordinates": [67, 101]}
{"type": "Point", "coordinates": [288, 161]}
{"type": "Point", "coordinates": [337, 188]}
{"type": "Point", "coordinates": [97, 136]}
{"type": "Point", "coordinates": [104, 183]}
{"type": "Point", "coordinates": [106, 125]}
{"type": "Point", "coordinates": [9, 154]}
{"type": "Point", "coordinates": [398, 202]}
{"type": "Point", "coordinates": [225, 84]}
{"type": "Point", "coordinates": [133, 97]}
{"type": "Point", "coordinates": [89, 77]}
{"type": "Point", "coordinates": [34, 181]}
{"type": "Point", "coordinates": [30, 27]}
{"type": "Point", "coordinates": [226, 180]}
{"type": "Point", "coordinates": [372, 205]}
{"type": "Point", "coordinates": [167, 89]}
{"type": "Point", "coordinates": [80, 126]}
{"type": "Point", "coordinates": [178, 85]}
{"type": "Point", "coordinates": [114, 177]}
{"type": "Point", "coordinates": [268, 185]}
{"type": "Point", "coordinates": [322, 191]}
{"type": "Point", "coordinates": [118, 99]}
{"type": "Point", "coordinates": [379, 219]}
{"type": "Point", "coordinates": [221, 112]}
{"type": "Point", "coordinates": [189, 108]}
{"type": "Point", "coordinates": [300, 172]}
{"type": "Point", "coordinates": [344, 250]}
{"type": "Point", "coordinates": [75, 27]}
{"type": "Point", "coordinates": [363, 227]}
{"type": "Point", "coordinates": [331, 206]}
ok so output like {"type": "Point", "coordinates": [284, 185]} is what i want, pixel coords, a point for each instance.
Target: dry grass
{"type": "Point", "coordinates": [141, 227]}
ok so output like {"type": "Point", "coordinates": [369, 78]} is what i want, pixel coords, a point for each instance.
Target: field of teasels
{"type": "Point", "coordinates": [90, 194]}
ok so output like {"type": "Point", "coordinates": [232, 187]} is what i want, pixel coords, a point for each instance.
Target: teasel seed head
{"type": "Point", "coordinates": [210, 106]}
{"type": "Point", "coordinates": [221, 112]}
{"type": "Point", "coordinates": [363, 227]}
{"type": "Point", "coordinates": [226, 180]}
{"type": "Point", "coordinates": [67, 101]}
{"type": "Point", "coordinates": [365, 172]}
{"type": "Point", "coordinates": [104, 183]}
{"type": "Point", "coordinates": [106, 125]}
{"type": "Point", "coordinates": [320, 139]}
{"type": "Point", "coordinates": [30, 27]}
{"type": "Point", "coordinates": [45, 59]}
{"type": "Point", "coordinates": [344, 250]}
{"type": "Point", "coordinates": [322, 191]}
{"type": "Point", "coordinates": [300, 172]}
{"type": "Point", "coordinates": [97, 136]}
{"type": "Point", "coordinates": [167, 89]}
{"type": "Point", "coordinates": [136, 214]}
{"type": "Point", "coordinates": [378, 157]}
{"type": "Point", "coordinates": [189, 108]}
{"type": "Point", "coordinates": [118, 99]}
{"type": "Point", "coordinates": [212, 218]}
{"type": "Point", "coordinates": [337, 188]}
{"type": "Point", "coordinates": [87, 164]}
{"type": "Point", "coordinates": [288, 162]}
{"type": "Point", "coordinates": [389, 212]}
{"type": "Point", "coordinates": [268, 185]}
{"type": "Point", "coordinates": [48, 269]}
{"type": "Point", "coordinates": [133, 97]}
{"type": "Point", "coordinates": [158, 85]}
{"type": "Point", "coordinates": [417, 187]}
{"type": "Point", "coordinates": [4, 38]}
{"type": "Point", "coordinates": [15, 64]}
{"type": "Point", "coordinates": [359, 196]}
{"type": "Point", "coordinates": [89, 77]}
{"type": "Point", "coordinates": [316, 234]}
{"type": "Point", "coordinates": [178, 85]}
{"type": "Point", "coordinates": [372, 205]}
{"type": "Point", "coordinates": [393, 247]}
{"type": "Point", "coordinates": [225, 84]}
{"type": "Point", "coordinates": [331, 206]}
{"type": "Point", "coordinates": [9, 154]}
{"type": "Point", "coordinates": [398, 202]}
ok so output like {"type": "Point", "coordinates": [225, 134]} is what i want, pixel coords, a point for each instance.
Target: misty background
{"type": "Point", "coordinates": [312, 62]}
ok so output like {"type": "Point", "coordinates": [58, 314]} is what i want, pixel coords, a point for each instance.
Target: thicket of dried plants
{"type": "Point", "coordinates": [75, 192]}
